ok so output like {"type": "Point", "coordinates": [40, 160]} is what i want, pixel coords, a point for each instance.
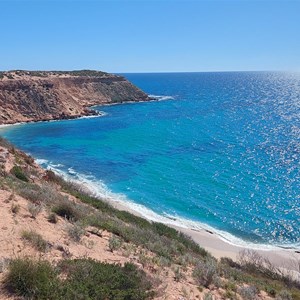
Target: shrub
{"type": "Point", "coordinates": [28, 159]}
{"type": "Point", "coordinates": [31, 279]}
{"type": "Point", "coordinates": [230, 286]}
{"type": "Point", "coordinates": [70, 210]}
{"type": "Point", "coordinates": [75, 232]}
{"type": "Point", "coordinates": [178, 275]}
{"type": "Point", "coordinates": [205, 272]}
{"type": "Point", "coordinates": [248, 292]}
{"type": "Point", "coordinates": [226, 261]}
{"type": "Point", "coordinates": [36, 240]}
{"type": "Point", "coordinates": [94, 280]}
{"type": "Point", "coordinates": [253, 262]}
{"type": "Point", "coordinates": [31, 192]}
{"type": "Point", "coordinates": [186, 260]}
{"type": "Point", "coordinates": [270, 290]}
{"type": "Point", "coordinates": [284, 295]}
{"type": "Point", "coordinates": [34, 209]}
{"type": "Point", "coordinates": [129, 249]}
{"type": "Point", "coordinates": [217, 281]}
{"type": "Point", "coordinates": [230, 295]}
{"type": "Point", "coordinates": [18, 172]}
{"type": "Point", "coordinates": [163, 262]}
{"type": "Point", "coordinates": [76, 279]}
{"type": "Point", "coordinates": [52, 218]}
{"type": "Point", "coordinates": [208, 296]}
{"type": "Point", "coordinates": [52, 177]}
{"type": "Point", "coordinates": [114, 243]}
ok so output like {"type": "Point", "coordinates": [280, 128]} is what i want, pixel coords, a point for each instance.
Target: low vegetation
{"type": "Point", "coordinates": [75, 231]}
{"type": "Point", "coordinates": [206, 272]}
{"type": "Point", "coordinates": [36, 240]}
{"type": "Point", "coordinates": [18, 172]}
{"type": "Point", "coordinates": [88, 73]}
{"type": "Point", "coordinates": [76, 279]}
{"type": "Point", "coordinates": [31, 279]}
{"type": "Point", "coordinates": [34, 209]}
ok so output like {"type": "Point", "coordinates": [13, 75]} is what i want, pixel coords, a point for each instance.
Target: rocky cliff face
{"type": "Point", "coordinates": [34, 96]}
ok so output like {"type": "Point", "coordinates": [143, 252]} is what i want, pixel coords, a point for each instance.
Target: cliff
{"type": "Point", "coordinates": [39, 95]}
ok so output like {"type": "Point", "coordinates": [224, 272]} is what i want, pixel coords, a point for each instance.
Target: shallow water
{"type": "Point", "coordinates": [222, 149]}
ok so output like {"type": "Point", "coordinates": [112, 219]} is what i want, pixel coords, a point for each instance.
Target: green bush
{"type": "Point", "coordinates": [31, 279]}
{"type": "Point", "coordinates": [89, 279]}
{"type": "Point", "coordinates": [18, 172]}
{"type": "Point", "coordinates": [205, 272]}
{"type": "Point", "coordinates": [67, 210]}
{"type": "Point", "coordinates": [284, 295]}
{"type": "Point", "coordinates": [248, 292]}
{"type": "Point", "coordinates": [34, 209]}
{"type": "Point", "coordinates": [114, 243]}
{"type": "Point", "coordinates": [52, 218]}
{"type": "Point", "coordinates": [75, 231]}
{"type": "Point", "coordinates": [83, 279]}
{"type": "Point", "coordinates": [40, 194]}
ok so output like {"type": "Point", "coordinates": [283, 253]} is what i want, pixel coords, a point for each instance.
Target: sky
{"type": "Point", "coordinates": [122, 36]}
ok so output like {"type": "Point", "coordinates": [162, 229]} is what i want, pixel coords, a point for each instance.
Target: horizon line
{"type": "Point", "coordinates": [149, 72]}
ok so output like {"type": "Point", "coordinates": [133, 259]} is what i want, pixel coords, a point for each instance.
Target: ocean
{"type": "Point", "coordinates": [219, 151]}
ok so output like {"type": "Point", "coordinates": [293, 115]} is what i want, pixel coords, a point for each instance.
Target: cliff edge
{"type": "Point", "coordinates": [48, 95]}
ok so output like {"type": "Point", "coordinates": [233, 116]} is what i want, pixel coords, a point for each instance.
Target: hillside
{"type": "Point", "coordinates": [47, 95]}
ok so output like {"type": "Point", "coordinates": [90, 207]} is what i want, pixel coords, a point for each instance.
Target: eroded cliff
{"type": "Point", "coordinates": [39, 95]}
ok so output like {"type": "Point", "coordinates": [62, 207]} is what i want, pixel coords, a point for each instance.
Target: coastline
{"type": "Point", "coordinates": [207, 238]}
{"type": "Point", "coordinates": [92, 113]}
{"type": "Point", "coordinates": [219, 247]}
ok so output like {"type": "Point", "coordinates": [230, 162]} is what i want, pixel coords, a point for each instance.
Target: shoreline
{"type": "Point", "coordinates": [92, 113]}
{"type": "Point", "coordinates": [219, 247]}
{"type": "Point", "coordinates": [208, 238]}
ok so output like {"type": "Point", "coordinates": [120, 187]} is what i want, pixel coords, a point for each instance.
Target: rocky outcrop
{"type": "Point", "coordinates": [35, 96]}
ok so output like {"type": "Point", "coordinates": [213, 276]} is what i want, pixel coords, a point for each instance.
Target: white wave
{"type": "Point", "coordinates": [161, 97]}
{"type": "Point", "coordinates": [56, 165]}
{"type": "Point", "coordinates": [41, 161]}
{"type": "Point", "coordinates": [9, 125]}
{"type": "Point", "coordinates": [46, 163]}
{"type": "Point", "coordinates": [71, 171]}
{"type": "Point", "coordinates": [99, 190]}
{"type": "Point", "coordinates": [100, 114]}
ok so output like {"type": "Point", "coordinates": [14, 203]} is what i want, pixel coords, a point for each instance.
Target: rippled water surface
{"type": "Point", "coordinates": [222, 149]}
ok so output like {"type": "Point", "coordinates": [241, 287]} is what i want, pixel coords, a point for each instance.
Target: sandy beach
{"type": "Point", "coordinates": [287, 259]}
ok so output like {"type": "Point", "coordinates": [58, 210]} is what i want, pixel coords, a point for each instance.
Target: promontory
{"type": "Point", "coordinates": [48, 95]}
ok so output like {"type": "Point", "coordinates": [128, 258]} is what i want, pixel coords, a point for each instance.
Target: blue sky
{"type": "Point", "coordinates": [150, 36]}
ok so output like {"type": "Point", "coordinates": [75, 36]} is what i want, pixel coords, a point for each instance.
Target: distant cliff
{"type": "Point", "coordinates": [40, 95]}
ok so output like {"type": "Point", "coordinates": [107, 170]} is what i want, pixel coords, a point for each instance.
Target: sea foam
{"type": "Point", "coordinates": [161, 97]}
{"type": "Point", "coordinates": [98, 189]}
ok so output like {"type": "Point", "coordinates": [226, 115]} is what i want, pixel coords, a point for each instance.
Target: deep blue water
{"type": "Point", "coordinates": [224, 151]}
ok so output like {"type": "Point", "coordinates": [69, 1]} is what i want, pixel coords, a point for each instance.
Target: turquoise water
{"type": "Point", "coordinates": [221, 151]}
